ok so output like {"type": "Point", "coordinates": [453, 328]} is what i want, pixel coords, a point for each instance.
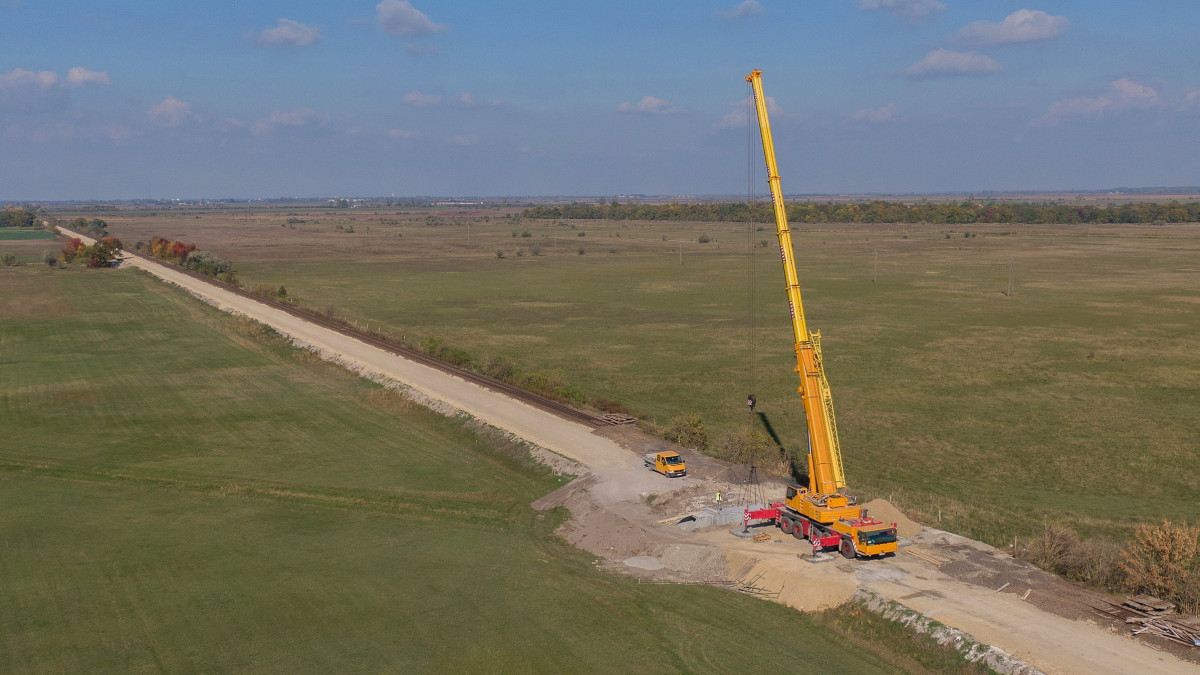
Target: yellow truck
{"type": "Point", "coordinates": [668, 463]}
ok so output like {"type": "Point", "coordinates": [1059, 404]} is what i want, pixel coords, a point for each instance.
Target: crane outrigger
{"type": "Point", "coordinates": [819, 512]}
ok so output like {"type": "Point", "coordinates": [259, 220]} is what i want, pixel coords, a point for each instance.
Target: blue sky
{"type": "Point", "coordinates": [166, 99]}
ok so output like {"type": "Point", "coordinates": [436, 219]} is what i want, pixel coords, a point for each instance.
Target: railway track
{"type": "Point", "coordinates": [400, 349]}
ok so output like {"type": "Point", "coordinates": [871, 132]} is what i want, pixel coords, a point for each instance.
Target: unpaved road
{"type": "Point", "coordinates": [613, 519]}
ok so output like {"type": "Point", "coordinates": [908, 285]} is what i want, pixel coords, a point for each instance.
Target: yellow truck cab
{"type": "Point", "coordinates": [668, 463]}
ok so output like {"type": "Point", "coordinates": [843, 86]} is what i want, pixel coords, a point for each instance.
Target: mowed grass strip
{"type": "Point", "coordinates": [184, 492]}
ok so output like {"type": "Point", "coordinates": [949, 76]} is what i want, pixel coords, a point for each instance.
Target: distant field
{"type": "Point", "coordinates": [17, 234]}
{"type": "Point", "coordinates": [184, 492]}
{"type": "Point", "coordinates": [1073, 400]}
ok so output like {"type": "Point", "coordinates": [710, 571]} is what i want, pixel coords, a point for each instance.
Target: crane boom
{"type": "Point", "coordinates": [818, 513]}
{"type": "Point", "coordinates": [825, 458]}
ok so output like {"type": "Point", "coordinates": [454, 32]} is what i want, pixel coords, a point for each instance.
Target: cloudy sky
{"type": "Point", "coordinates": [133, 99]}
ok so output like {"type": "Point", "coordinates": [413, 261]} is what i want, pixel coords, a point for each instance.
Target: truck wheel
{"type": "Point", "coordinates": [847, 548]}
{"type": "Point", "coordinates": [798, 530]}
{"type": "Point", "coordinates": [785, 524]}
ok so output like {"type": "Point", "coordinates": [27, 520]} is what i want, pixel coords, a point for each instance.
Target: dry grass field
{"type": "Point", "coordinates": [1073, 400]}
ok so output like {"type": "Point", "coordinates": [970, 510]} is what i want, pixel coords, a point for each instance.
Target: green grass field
{"type": "Point", "coordinates": [1073, 400]}
{"type": "Point", "coordinates": [185, 492]}
{"type": "Point", "coordinates": [20, 234]}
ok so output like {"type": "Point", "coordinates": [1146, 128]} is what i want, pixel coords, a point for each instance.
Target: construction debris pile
{"type": "Point", "coordinates": [1149, 615]}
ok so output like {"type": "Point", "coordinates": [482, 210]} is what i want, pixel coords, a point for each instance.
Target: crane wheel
{"type": "Point", "coordinates": [798, 531]}
{"type": "Point", "coordinates": [847, 548]}
{"type": "Point", "coordinates": [786, 524]}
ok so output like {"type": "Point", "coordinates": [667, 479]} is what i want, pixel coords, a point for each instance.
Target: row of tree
{"type": "Point", "coordinates": [95, 227]}
{"type": "Point", "coordinates": [186, 256]}
{"type": "Point", "coordinates": [880, 211]}
{"type": "Point", "coordinates": [17, 218]}
{"type": "Point", "coordinates": [100, 254]}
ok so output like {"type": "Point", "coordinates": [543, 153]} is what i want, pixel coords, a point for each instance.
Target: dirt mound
{"type": "Point", "coordinates": [882, 509]}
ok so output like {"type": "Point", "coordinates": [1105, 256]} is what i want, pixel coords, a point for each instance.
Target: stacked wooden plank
{"type": "Point", "coordinates": [618, 418]}
{"type": "Point", "coordinates": [1148, 605]}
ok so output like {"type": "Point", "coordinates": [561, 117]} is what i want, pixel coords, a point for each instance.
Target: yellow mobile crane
{"type": "Point", "coordinates": [820, 512]}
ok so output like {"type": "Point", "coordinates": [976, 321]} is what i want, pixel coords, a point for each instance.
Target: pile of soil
{"type": "Point", "coordinates": [881, 509]}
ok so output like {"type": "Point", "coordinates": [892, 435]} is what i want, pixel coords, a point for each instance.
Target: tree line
{"type": "Point", "coordinates": [186, 256]}
{"type": "Point", "coordinates": [880, 211]}
{"type": "Point", "coordinates": [17, 218]}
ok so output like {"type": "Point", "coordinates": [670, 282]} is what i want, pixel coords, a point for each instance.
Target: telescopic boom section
{"type": "Point", "coordinates": [825, 461]}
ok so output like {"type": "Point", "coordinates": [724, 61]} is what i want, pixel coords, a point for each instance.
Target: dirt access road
{"type": "Point", "coordinates": [617, 507]}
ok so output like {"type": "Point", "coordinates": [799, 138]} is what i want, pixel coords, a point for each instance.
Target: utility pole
{"type": "Point", "coordinates": [681, 242]}
{"type": "Point", "coordinates": [1009, 290]}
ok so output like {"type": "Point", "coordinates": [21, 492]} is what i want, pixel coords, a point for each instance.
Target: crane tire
{"type": "Point", "coordinates": [798, 531]}
{"type": "Point", "coordinates": [847, 548]}
{"type": "Point", "coordinates": [785, 524]}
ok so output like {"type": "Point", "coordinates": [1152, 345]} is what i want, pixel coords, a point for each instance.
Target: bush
{"type": "Point", "coordinates": [535, 249]}
{"type": "Point", "coordinates": [1059, 550]}
{"type": "Point", "coordinates": [1164, 561]}
{"type": "Point", "coordinates": [208, 264]}
{"type": "Point", "coordinates": [9, 260]}
{"type": "Point", "coordinates": [704, 239]}
{"type": "Point", "coordinates": [500, 253]}
{"type": "Point", "coordinates": [689, 431]}
{"type": "Point", "coordinates": [752, 446]}
{"type": "Point", "coordinates": [580, 250]}
{"type": "Point", "coordinates": [500, 367]}
{"type": "Point", "coordinates": [269, 292]}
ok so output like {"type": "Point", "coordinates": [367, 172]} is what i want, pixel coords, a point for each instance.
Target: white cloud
{"type": "Point", "coordinates": [909, 9]}
{"type": "Point", "coordinates": [418, 100]}
{"type": "Point", "coordinates": [1192, 100]}
{"type": "Point", "coordinates": [1122, 94]}
{"type": "Point", "coordinates": [884, 114]}
{"type": "Point", "coordinates": [649, 105]}
{"type": "Point", "coordinates": [1023, 25]}
{"type": "Point", "coordinates": [398, 17]}
{"type": "Point", "coordinates": [469, 139]}
{"type": "Point", "coordinates": [171, 112]}
{"type": "Point", "coordinates": [304, 119]}
{"type": "Point", "coordinates": [738, 118]}
{"type": "Point", "coordinates": [945, 63]}
{"type": "Point", "coordinates": [742, 9]}
{"type": "Point", "coordinates": [400, 133]}
{"type": "Point", "coordinates": [19, 77]}
{"type": "Point", "coordinates": [287, 33]}
{"type": "Point", "coordinates": [79, 76]}
{"type": "Point", "coordinates": [469, 101]}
